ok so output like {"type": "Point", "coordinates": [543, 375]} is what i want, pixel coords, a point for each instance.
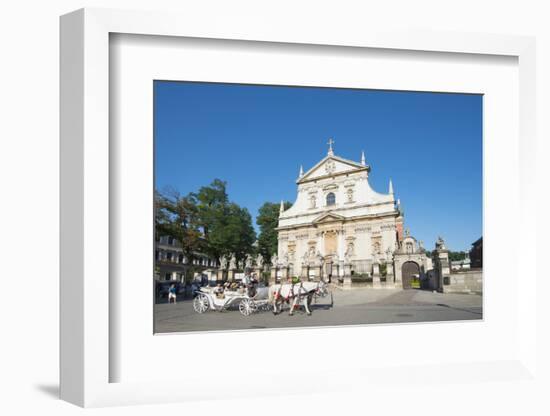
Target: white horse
{"type": "Point", "coordinates": [295, 294]}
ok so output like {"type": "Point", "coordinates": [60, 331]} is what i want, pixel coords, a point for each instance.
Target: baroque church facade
{"type": "Point", "coordinates": [338, 224]}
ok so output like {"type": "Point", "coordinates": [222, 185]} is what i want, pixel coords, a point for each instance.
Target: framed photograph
{"type": "Point", "coordinates": [257, 197]}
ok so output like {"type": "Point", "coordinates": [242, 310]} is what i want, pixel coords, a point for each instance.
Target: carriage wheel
{"type": "Point", "coordinates": [247, 307]}
{"type": "Point", "coordinates": [201, 304]}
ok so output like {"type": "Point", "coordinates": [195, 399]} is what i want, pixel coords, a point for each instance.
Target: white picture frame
{"type": "Point", "coordinates": [86, 305]}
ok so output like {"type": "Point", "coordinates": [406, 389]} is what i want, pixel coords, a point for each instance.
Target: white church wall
{"type": "Point", "coordinates": [358, 214]}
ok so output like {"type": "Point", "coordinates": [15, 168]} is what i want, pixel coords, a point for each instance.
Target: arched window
{"type": "Point", "coordinates": [331, 199]}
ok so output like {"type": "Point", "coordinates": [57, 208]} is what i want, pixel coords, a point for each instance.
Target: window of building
{"type": "Point", "coordinates": [168, 276]}
{"type": "Point", "coordinates": [169, 256]}
{"type": "Point", "coordinates": [331, 199]}
{"type": "Point", "coordinates": [180, 258]}
{"type": "Point", "coordinates": [171, 241]}
{"type": "Point", "coordinates": [409, 248]}
{"type": "Point", "coordinates": [157, 255]}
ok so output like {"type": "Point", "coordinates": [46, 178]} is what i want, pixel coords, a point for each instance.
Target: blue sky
{"type": "Point", "coordinates": [256, 138]}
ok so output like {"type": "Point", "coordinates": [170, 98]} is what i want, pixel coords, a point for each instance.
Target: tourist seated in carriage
{"type": "Point", "coordinates": [219, 291]}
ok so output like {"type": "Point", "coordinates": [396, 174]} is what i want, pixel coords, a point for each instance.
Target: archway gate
{"type": "Point", "coordinates": [410, 275]}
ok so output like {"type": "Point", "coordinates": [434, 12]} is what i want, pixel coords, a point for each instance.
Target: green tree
{"type": "Point", "coordinates": [212, 202]}
{"type": "Point", "coordinates": [457, 255]}
{"type": "Point", "coordinates": [232, 232]}
{"type": "Point", "coordinates": [268, 220]}
{"type": "Point", "coordinates": [205, 221]}
{"type": "Point", "coordinates": [177, 216]}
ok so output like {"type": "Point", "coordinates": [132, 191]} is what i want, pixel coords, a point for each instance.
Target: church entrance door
{"type": "Point", "coordinates": [411, 275]}
{"type": "Point", "coordinates": [331, 245]}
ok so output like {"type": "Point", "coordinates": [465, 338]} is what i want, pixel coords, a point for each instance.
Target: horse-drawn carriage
{"type": "Point", "coordinates": [251, 298]}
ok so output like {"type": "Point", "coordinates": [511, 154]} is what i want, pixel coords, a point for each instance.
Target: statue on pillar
{"type": "Point", "coordinates": [274, 260]}
{"type": "Point", "coordinates": [348, 255]}
{"type": "Point", "coordinates": [319, 258]}
{"type": "Point", "coordinates": [260, 262]}
{"type": "Point", "coordinates": [223, 262]}
{"type": "Point", "coordinates": [233, 262]}
{"type": "Point", "coordinates": [248, 262]}
{"type": "Point", "coordinates": [284, 259]}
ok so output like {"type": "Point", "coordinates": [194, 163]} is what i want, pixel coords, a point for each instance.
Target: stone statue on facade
{"type": "Point", "coordinates": [260, 261]}
{"type": "Point", "coordinates": [233, 262]}
{"type": "Point", "coordinates": [274, 260]}
{"type": "Point", "coordinates": [284, 259]}
{"type": "Point", "coordinates": [319, 257]}
{"type": "Point", "coordinates": [248, 263]}
{"type": "Point", "coordinates": [311, 253]}
{"type": "Point", "coordinates": [223, 262]}
{"type": "Point", "coordinates": [305, 258]}
{"type": "Point", "coordinates": [348, 255]}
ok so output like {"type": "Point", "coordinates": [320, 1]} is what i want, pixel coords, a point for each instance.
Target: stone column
{"type": "Point", "coordinates": [305, 273]}
{"type": "Point", "coordinates": [259, 272]}
{"type": "Point", "coordinates": [221, 273]}
{"type": "Point", "coordinates": [231, 275]}
{"type": "Point", "coordinates": [443, 268]}
{"type": "Point", "coordinates": [273, 276]}
{"type": "Point", "coordinates": [376, 275]}
{"type": "Point", "coordinates": [346, 270]}
{"type": "Point", "coordinates": [284, 274]}
{"type": "Point", "coordinates": [341, 244]}
{"type": "Point", "coordinates": [389, 275]}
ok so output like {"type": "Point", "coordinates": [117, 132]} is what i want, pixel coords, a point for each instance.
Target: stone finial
{"type": "Point", "coordinates": [301, 171]}
{"type": "Point", "coordinates": [440, 244]}
{"type": "Point", "coordinates": [363, 161]}
{"type": "Point", "coordinates": [282, 208]}
{"type": "Point", "coordinates": [391, 188]}
{"type": "Point", "coordinates": [330, 150]}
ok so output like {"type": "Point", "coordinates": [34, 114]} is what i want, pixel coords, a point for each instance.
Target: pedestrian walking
{"type": "Point", "coordinates": [172, 293]}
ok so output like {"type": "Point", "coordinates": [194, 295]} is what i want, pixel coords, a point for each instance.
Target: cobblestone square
{"type": "Point", "coordinates": [354, 307]}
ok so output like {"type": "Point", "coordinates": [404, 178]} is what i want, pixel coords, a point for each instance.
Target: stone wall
{"type": "Point", "coordinates": [470, 281]}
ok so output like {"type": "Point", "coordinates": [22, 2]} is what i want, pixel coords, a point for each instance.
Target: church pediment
{"type": "Point", "coordinates": [331, 165]}
{"type": "Point", "coordinates": [328, 217]}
